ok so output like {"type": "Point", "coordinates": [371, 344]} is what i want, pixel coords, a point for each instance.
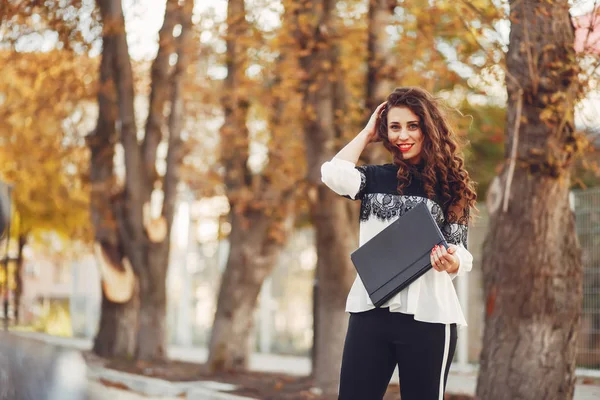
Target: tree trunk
{"type": "Point", "coordinates": [257, 231]}
{"type": "Point", "coordinates": [117, 329]}
{"type": "Point", "coordinates": [22, 241]}
{"type": "Point", "coordinates": [328, 211]}
{"type": "Point", "coordinates": [159, 95]}
{"type": "Point", "coordinates": [152, 331]}
{"type": "Point", "coordinates": [335, 275]}
{"type": "Point", "coordinates": [380, 80]}
{"type": "Point", "coordinates": [145, 240]}
{"type": "Point", "coordinates": [118, 314]}
{"type": "Point", "coordinates": [532, 267]}
{"type": "Point", "coordinates": [251, 259]}
{"type": "Point", "coordinates": [152, 334]}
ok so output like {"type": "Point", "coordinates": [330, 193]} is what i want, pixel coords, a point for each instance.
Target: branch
{"type": "Point", "coordinates": [160, 93]}
{"type": "Point", "coordinates": [114, 28]}
{"type": "Point", "coordinates": [513, 151]}
{"type": "Point", "coordinates": [174, 154]}
{"type": "Point", "coordinates": [487, 54]}
{"type": "Point", "coordinates": [102, 148]}
{"type": "Point", "coordinates": [234, 132]}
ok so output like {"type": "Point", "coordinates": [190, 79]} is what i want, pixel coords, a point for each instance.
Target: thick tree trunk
{"type": "Point", "coordinates": [253, 247]}
{"type": "Point", "coordinates": [532, 266]}
{"type": "Point", "coordinates": [22, 241]}
{"type": "Point", "coordinates": [380, 80]}
{"type": "Point", "coordinates": [116, 335]}
{"type": "Point", "coordinates": [152, 331]}
{"type": "Point", "coordinates": [335, 274]}
{"type": "Point", "coordinates": [315, 37]}
{"type": "Point", "coordinates": [144, 240]}
{"type": "Point", "coordinates": [251, 259]}
{"type": "Point", "coordinates": [118, 320]}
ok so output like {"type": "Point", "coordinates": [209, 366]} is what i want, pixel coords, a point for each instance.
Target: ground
{"type": "Point", "coordinates": [259, 385]}
{"type": "Point", "coordinates": [99, 391]}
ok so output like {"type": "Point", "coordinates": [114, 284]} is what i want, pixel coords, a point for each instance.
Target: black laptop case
{"type": "Point", "coordinates": [398, 255]}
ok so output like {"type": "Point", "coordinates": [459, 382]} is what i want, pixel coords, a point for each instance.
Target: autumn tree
{"type": "Point", "coordinates": [262, 203]}
{"type": "Point", "coordinates": [315, 35]}
{"type": "Point", "coordinates": [531, 261]}
{"type": "Point", "coordinates": [43, 152]}
{"type": "Point", "coordinates": [41, 117]}
{"type": "Point", "coordinates": [380, 80]}
{"type": "Point", "coordinates": [127, 232]}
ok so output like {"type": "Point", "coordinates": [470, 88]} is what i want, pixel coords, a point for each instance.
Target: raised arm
{"type": "Point", "coordinates": [352, 151]}
{"type": "Point", "coordinates": [341, 174]}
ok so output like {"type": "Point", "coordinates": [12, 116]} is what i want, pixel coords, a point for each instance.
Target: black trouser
{"type": "Point", "coordinates": [378, 340]}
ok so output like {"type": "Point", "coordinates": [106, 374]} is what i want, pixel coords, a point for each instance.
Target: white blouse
{"type": "Point", "coordinates": [430, 298]}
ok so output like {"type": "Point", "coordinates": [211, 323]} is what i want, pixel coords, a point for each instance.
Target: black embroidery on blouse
{"type": "Point", "coordinates": [385, 206]}
{"type": "Point", "coordinates": [455, 233]}
{"type": "Point", "coordinates": [380, 199]}
{"type": "Point", "coordinates": [363, 180]}
{"type": "Point", "coordinates": [456, 230]}
{"type": "Point", "coordinates": [462, 219]}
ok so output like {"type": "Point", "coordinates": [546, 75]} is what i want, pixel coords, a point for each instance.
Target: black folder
{"type": "Point", "coordinates": [398, 255]}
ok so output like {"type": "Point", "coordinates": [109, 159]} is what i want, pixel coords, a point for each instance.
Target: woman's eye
{"type": "Point", "coordinates": [414, 126]}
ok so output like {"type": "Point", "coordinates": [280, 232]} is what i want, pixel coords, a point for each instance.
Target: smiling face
{"type": "Point", "coordinates": [404, 132]}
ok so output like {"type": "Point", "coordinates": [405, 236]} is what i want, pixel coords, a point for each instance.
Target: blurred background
{"type": "Point", "coordinates": [160, 178]}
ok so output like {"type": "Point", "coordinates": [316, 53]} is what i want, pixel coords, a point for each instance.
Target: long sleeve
{"type": "Point", "coordinates": [344, 178]}
{"type": "Point", "coordinates": [456, 230]}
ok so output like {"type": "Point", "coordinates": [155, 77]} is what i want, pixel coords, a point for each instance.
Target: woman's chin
{"type": "Point", "coordinates": [409, 158]}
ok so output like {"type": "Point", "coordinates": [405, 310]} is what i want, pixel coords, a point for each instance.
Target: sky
{"type": "Point", "coordinates": [144, 19]}
{"type": "Point", "coordinates": [143, 22]}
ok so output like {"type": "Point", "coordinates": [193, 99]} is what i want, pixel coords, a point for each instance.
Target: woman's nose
{"type": "Point", "coordinates": [403, 134]}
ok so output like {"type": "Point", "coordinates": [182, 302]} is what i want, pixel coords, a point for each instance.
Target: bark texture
{"type": "Point", "coordinates": [152, 333]}
{"type": "Point", "coordinates": [136, 236]}
{"type": "Point", "coordinates": [380, 79]}
{"type": "Point", "coordinates": [118, 320]}
{"type": "Point", "coordinates": [531, 262]}
{"type": "Point", "coordinates": [252, 258]}
{"type": "Point", "coordinates": [116, 337]}
{"type": "Point", "coordinates": [329, 213]}
{"type": "Point", "coordinates": [259, 209]}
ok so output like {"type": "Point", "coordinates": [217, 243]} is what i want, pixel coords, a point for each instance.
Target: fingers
{"type": "Point", "coordinates": [379, 109]}
{"type": "Point", "coordinates": [441, 259]}
{"type": "Point", "coordinates": [448, 259]}
{"type": "Point", "coordinates": [441, 252]}
{"type": "Point", "coordinates": [435, 259]}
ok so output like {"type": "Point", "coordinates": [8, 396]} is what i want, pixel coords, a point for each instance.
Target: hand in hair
{"type": "Point", "coordinates": [370, 130]}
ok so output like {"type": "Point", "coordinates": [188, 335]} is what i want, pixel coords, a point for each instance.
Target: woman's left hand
{"type": "Point", "coordinates": [444, 260]}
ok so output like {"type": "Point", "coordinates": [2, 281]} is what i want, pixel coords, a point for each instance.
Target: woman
{"type": "Point", "coordinates": [416, 329]}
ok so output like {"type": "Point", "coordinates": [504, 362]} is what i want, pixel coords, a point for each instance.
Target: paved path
{"type": "Point", "coordinates": [458, 381]}
{"type": "Point", "coordinates": [100, 392]}
{"type": "Point", "coordinates": [299, 366]}
{"type": "Point", "coordinates": [31, 370]}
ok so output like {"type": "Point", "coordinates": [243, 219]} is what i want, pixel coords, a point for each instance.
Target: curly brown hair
{"type": "Point", "coordinates": [443, 173]}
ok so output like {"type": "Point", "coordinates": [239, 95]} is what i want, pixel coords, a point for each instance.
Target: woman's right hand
{"type": "Point", "coordinates": [370, 130]}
